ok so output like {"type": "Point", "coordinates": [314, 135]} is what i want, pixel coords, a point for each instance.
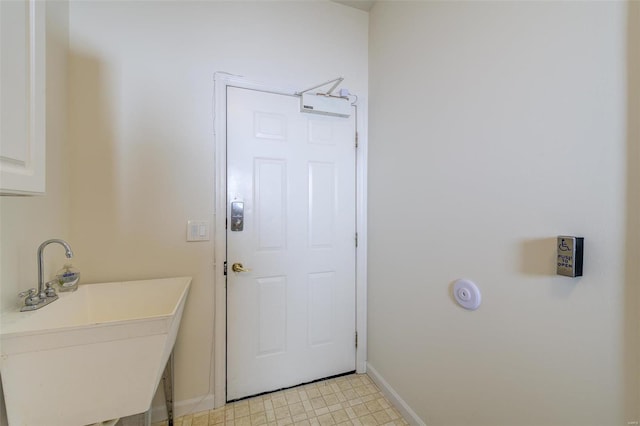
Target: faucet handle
{"type": "Point", "coordinates": [28, 293]}
{"type": "Point", "coordinates": [50, 291]}
{"type": "Point", "coordinates": [32, 297]}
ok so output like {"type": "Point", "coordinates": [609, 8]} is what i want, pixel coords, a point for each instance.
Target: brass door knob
{"type": "Point", "coordinates": [237, 267]}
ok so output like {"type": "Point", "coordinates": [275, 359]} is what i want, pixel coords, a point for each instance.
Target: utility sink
{"type": "Point", "coordinates": [92, 355]}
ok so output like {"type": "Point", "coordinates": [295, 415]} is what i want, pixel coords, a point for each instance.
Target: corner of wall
{"type": "Point", "coordinates": [395, 398]}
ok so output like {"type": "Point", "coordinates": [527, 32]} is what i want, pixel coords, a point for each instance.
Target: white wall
{"type": "Point", "coordinates": [141, 93]}
{"type": "Point", "coordinates": [25, 222]}
{"type": "Point", "coordinates": [495, 127]}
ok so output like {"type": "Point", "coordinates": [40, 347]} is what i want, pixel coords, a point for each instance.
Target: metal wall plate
{"type": "Point", "coordinates": [570, 254]}
{"type": "Point", "coordinates": [237, 216]}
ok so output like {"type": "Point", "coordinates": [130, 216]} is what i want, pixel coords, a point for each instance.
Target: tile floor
{"type": "Point", "coordinates": [347, 400]}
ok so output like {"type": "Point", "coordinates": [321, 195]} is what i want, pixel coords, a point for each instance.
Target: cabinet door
{"type": "Point", "coordinates": [22, 94]}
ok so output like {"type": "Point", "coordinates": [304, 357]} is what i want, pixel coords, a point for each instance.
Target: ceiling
{"type": "Point", "coordinates": [358, 4]}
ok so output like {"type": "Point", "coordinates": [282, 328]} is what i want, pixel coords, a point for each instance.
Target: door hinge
{"type": "Point", "coordinates": [356, 139]}
{"type": "Point", "coordinates": [356, 239]}
{"type": "Point", "coordinates": [356, 339]}
{"type": "Point", "coordinates": [225, 267]}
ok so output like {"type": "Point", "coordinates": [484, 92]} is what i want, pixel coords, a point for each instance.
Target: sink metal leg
{"type": "Point", "coordinates": [167, 382]}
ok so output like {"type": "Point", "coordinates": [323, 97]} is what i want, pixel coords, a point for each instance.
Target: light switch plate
{"type": "Point", "coordinates": [197, 230]}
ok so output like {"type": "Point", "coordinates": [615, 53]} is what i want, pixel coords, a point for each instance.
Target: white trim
{"type": "Point", "coordinates": [361, 229]}
{"type": "Point", "coordinates": [393, 397]}
{"type": "Point", "coordinates": [218, 370]}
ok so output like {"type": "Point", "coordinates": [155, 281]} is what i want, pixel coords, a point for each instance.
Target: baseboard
{"type": "Point", "coordinates": [394, 398]}
{"type": "Point", "coordinates": [182, 408]}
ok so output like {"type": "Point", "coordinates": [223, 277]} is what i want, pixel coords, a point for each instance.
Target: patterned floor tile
{"type": "Point", "coordinates": [352, 400]}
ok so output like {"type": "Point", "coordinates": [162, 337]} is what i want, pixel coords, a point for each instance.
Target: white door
{"type": "Point", "coordinates": [291, 316]}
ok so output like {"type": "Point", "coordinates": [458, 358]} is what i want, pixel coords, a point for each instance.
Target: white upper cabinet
{"type": "Point", "coordinates": [22, 93]}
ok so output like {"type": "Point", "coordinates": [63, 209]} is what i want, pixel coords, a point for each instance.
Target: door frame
{"type": "Point", "coordinates": [221, 81]}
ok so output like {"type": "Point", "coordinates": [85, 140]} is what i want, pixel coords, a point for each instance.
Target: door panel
{"type": "Point", "coordinates": [291, 316]}
{"type": "Point", "coordinates": [270, 188]}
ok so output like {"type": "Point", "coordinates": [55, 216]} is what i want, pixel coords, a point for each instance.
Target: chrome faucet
{"type": "Point", "coordinates": [67, 251]}
{"type": "Point", "coordinates": [36, 299]}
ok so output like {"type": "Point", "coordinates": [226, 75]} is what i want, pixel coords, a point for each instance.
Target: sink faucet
{"type": "Point", "coordinates": [36, 299]}
{"type": "Point", "coordinates": [67, 251]}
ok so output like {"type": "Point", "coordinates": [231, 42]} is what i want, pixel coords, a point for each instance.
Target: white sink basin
{"type": "Point", "coordinates": [92, 355]}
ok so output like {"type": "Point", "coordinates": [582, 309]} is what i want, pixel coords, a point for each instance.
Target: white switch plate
{"type": "Point", "coordinates": [197, 230]}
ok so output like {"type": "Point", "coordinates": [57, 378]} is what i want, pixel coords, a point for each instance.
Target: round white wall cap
{"type": "Point", "coordinates": [467, 294]}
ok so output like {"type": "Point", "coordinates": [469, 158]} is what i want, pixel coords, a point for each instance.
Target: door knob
{"type": "Point", "coordinates": [237, 267]}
